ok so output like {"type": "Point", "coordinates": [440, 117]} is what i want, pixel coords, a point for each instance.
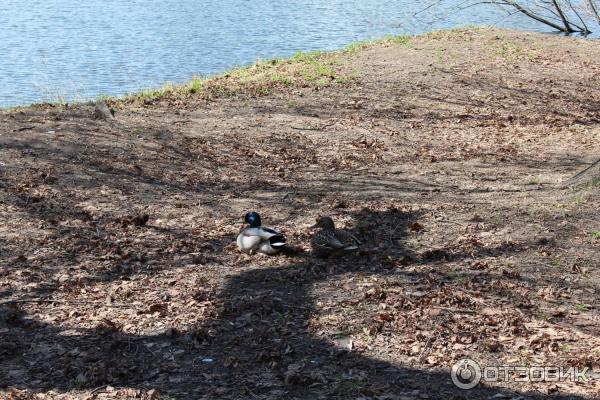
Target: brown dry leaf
{"type": "Point", "coordinates": [385, 317]}
{"type": "Point", "coordinates": [158, 307]}
{"type": "Point", "coordinates": [416, 227]}
{"type": "Point", "coordinates": [106, 323]}
{"type": "Point", "coordinates": [489, 312]}
{"type": "Point", "coordinates": [151, 394]}
{"type": "Point", "coordinates": [494, 346]}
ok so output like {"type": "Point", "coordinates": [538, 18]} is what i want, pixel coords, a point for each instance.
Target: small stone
{"type": "Point", "coordinates": [166, 332]}
{"type": "Point", "coordinates": [81, 378]}
{"type": "Point", "coordinates": [345, 343]}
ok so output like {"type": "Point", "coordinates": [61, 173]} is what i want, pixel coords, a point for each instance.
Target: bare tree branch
{"type": "Point", "coordinates": [562, 17]}
{"type": "Point", "coordinates": [558, 14]}
{"type": "Point", "coordinates": [532, 15]}
{"type": "Point", "coordinates": [585, 29]}
{"type": "Point", "coordinates": [555, 16]}
{"type": "Point", "coordinates": [594, 10]}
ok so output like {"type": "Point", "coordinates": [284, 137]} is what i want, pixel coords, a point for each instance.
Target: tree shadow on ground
{"type": "Point", "coordinates": [262, 342]}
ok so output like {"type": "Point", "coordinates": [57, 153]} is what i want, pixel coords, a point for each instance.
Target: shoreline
{"type": "Point", "coordinates": [297, 61]}
{"type": "Point", "coordinates": [302, 68]}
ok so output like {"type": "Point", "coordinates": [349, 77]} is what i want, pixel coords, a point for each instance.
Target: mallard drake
{"type": "Point", "coordinates": [329, 241]}
{"type": "Point", "coordinates": [257, 238]}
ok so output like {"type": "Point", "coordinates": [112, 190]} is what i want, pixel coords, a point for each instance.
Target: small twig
{"type": "Point", "coordinates": [426, 349]}
{"type": "Point", "coordinates": [254, 396]}
{"type": "Point", "coordinates": [63, 302]}
{"type": "Point", "coordinates": [313, 129]}
{"type": "Point", "coordinates": [455, 310]}
{"type": "Point", "coordinates": [391, 234]}
{"type": "Point", "coordinates": [23, 128]}
{"type": "Point", "coordinates": [454, 222]}
{"type": "Point", "coordinates": [424, 9]}
{"type": "Point", "coordinates": [36, 301]}
{"type": "Point", "coordinates": [98, 390]}
{"type": "Point", "coordinates": [436, 333]}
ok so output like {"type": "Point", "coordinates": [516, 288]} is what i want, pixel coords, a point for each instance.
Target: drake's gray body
{"type": "Point", "coordinates": [256, 238]}
{"type": "Point", "coordinates": [260, 240]}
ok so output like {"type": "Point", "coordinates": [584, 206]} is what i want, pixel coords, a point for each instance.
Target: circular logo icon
{"type": "Point", "coordinates": [466, 373]}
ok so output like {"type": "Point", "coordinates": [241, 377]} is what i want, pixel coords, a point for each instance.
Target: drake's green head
{"type": "Point", "coordinates": [325, 223]}
{"type": "Point", "coordinates": [253, 219]}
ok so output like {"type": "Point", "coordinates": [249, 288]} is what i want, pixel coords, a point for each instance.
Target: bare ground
{"type": "Point", "coordinates": [443, 155]}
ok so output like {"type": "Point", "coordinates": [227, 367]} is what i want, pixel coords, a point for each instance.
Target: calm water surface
{"type": "Point", "coordinates": [76, 50]}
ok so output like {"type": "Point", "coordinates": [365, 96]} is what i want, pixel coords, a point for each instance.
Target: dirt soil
{"type": "Point", "coordinates": [443, 155]}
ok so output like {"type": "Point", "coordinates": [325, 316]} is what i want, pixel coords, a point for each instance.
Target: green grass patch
{"type": "Point", "coordinates": [454, 274]}
{"type": "Point", "coordinates": [315, 69]}
{"type": "Point", "coordinates": [509, 51]}
{"type": "Point", "coordinates": [350, 385]}
{"type": "Point", "coordinates": [534, 181]}
{"type": "Point", "coordinates": [596, 234]}
{"type": "Point", "coordinates": [303, 69]}
{"type": "Point", "coordinates": [590, 183]}
{"type": "Point", "coordinates": [539, 211]}
{"type": "Point", "coordinates": [403, 40]}
{"type": "Point", "coordinates": [456, 33]}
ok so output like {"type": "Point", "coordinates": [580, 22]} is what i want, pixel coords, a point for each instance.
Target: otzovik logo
{"type": "Point", "coordinates": [467, 373]}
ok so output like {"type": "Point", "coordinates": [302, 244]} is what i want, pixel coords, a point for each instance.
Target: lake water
{"type": "Point", "coordinates": [74, 50]}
